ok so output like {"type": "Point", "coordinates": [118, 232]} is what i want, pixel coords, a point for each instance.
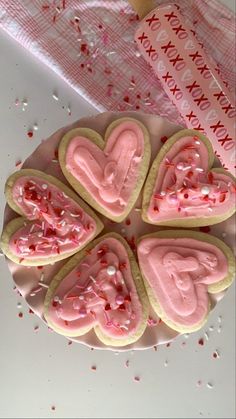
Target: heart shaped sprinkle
{"type": "Point", "coordinates": [56, 222]}
{"type": "Point", "coordinates": [181, 268]}
{"type": "Point", "coordinates": [107, 174]}
{"type": "Point", "coordinates": [100, 288]}
{"type": "Point", "coordinates": [181, 190]}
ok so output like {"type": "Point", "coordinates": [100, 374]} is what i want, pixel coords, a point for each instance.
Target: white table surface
{"type": "Point", "coordinates": [39, 370]}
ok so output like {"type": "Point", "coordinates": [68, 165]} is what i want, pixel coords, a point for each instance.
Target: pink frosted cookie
{"type": "Point", "coordinates": [99, 288]}
{"type": "Point", "coordinates": [108, 173]}
{"type": "Point", "coordinates": [180, 268]}
{"type": "Point", "coordinates": [182, 189]}
{"type": "Point", "coordinates": [54, 224]}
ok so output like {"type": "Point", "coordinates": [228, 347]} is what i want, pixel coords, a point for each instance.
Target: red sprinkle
{"type": "Point", "coordinates": [100, 26]}
{"type": "Point", "coordinates": [164, 139]}
{"type": "Point", "coordinates": [119, 288]}
{"type": "Point", "coordinates": [39, 267]}
{"type": "Point", "coordinates": [186, 196]}
{"type": "Point", "coordinates": [30, 134]}
{"type": "Point", "coordinates": [126, 99]}
{"type": "Point", "coordinates": [136, 378]}
{"type": "Point", "coordinates": [168, 345]}
{"type": "Point", "coordinates": [70, 342]}
{"type": "Point", "coordinates": [84, 49]}
{"type": "Point", "coordinates": [20, 314]}
{"type": "Point", "coordinates": [210, 177]}
{"type": "Point", "coordinates": [201, 342]}
{"type": "Point", "coordinates": [128, 222]}
{"type": "Point", "coordinates": [93, 368]}
{"type": "Point", "coordinates": [107, 307]}
{"type": "Point", "coordinates": [205, 229]}
{"type": "Point", "coordinates": [31, 311]}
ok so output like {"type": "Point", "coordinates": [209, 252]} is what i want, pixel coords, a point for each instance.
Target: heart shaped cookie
{"type": "Point", "coordinates": [107, 174]}
{"type": "Point", "coordinates": [180, 268]}
{"type": "Point", "coordinates": [182, 189]}
{"type": "Point", "coordinates": [100, 288]}
{"type": "Point", "coordinates": [55, 222]}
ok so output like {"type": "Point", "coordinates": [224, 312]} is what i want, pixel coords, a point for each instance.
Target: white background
{"type": "Point", "coordinates": [39, 370]}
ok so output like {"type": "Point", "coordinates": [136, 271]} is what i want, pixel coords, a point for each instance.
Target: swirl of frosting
{"type": "Point", "coordinates": [178, 271]}
{"type": "Point", "coordinates": [109, 175]}
{"type": "Point", "coordinates": [58, 223]}
{"type": "Point", "coordinates": [99, 290]}
{"type": "Point", "coordinates": [185, 188]}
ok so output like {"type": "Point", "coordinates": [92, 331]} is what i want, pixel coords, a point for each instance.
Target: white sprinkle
{"type": "Point", "coordinates": [180, 166]}
{"type": "Point", "coordinates": [197, 142]}
{"type": "Point", "coordinates": [55, 96]}
{"type": "Point", "coordinates": [54, 160]}
{"type": "Point", "coordinates": [69, 110]}
{"type": "Point", "coordinates": [186, 335]}
{"type": "Point", "coordinates": [43, 285]}
{"type": "Point", "coordinates": [127, 321]}
{"type": "Point", "coordinates": [62, 212]}
{"type": "Point", "coordinates": [58, 9]}
{"type": "Point", "coordinates": [42, 277]}
{"type": "Point", "coordinates": [19, 305]}
{"type": "Point", "coordinates": [219, 319]}
{"type": "Point", "coordinates": [21, 190]}
{"type": "Point", "coordinates": [44, 186]}
{"type": "Point", "coordinates": [117, 353]}
{"type": "Point", "coordinates": [137, 209]}
{"type": "Point", "coordinates": [165, 363]}
{"type": "Point", "coordinates": [209, 385]}
{"type": "Point", "coordinates": [81, 297]}
{"type": "Point", "coordinates": [206, 336]}
{"type": "Point", "coordinates": [40, 234]}
{"type": "Point", "coordinates": [137, 53]}
{"type": "Point", "coordinates": [199, 169]}
{"type": "Point", "coordinates": [19, 200]}
{"type": "Point", "coordinates": [162, 193]}
{"type": "Point", "coordinates": [219, 329]}
{"type": "Point", "coordinates": [35, 127]}
{"type": "Point", "coordinates": [210, 209]}
{"type": "Point", "coordinates": [25, 102]}
{"type": "Point", "coordinates": [205, 190]}
{"type": "Point", "coordinates": [111, 270]}
{"type": "Point", "coordinates": [32, 228]}
{"type": "Point", "coordinates": [223, 235]}
{"type": "Point", "coordinates": [197, 155]}
{"type": "Point", "coordinates": [123, 231]}
{"type": "Point", "coordinates": [211, 328]}
{"type": "Point", "coordinates": [56, 299]}
{"type": "Point", "coordinates": [92, 279]}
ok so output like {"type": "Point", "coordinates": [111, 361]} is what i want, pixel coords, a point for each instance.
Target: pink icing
{"type": "Point", "coordinates": [109, 175]}
{"type": "Point", "coordinates": [89, 295]}
{"type": "Point", "coordinates": [178, 270]}
{"type": "Point", "coordinates": [185, 188]}
{"type": "Point", "coordinates": [58, 223]}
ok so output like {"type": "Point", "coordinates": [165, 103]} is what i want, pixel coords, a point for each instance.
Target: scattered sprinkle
{"type": "Point", "coordinates": [17, 102]}
{"type": "Point", "coordinates": [155, 348]}
{"type": "Point", "coordinates": [166, 363]}
{"type": "Point", "coordinates": [35, 127]}
{"type": "Point", "coordinates": [55, 96]}
{"type": "Point", "coordinates": [69, 342]}
{"type": "Point", "coordinates": [201, 342]}
{"type": "Point", "coordinates": [219, 319]}
{"type": "Point", "coordinates": [209, 385]}
{"type": "Point", "coordinates": [19, 305]}
{"type": "Point", "coordinates": [183, 343]}
{"type": "Point", "coordinates": [36, 328]}
{"type": "Point", "coordinates": [30, 134]}
{"type": "Point", "coordinates": [216, 354]}
{"type": "Point", "coordinates": [20, 314]}
{"type": "Point", "coordinates": [69, 110]}
{"type": "Point", "coordinates": [206, 336]}
{"type": "Point", "coordinates": [93, 368]}
{"type": "Point", "coordinates": [168, 344]}
{"type": "Point", "coordinates": [136, 378]}
{"type": "Point", "coordinates": [128, 221]}
{"type": "Point", "coordinates": [53, 407]}
{"type": "Point", "coordinates": [31, 311]}
{"type": "Point", "coordinates": [199, 383]}
{"type": "Point", "coordinates": [211, 328]}
{"type": "Point", "coordinates": [223, 235]}
{"type": "Point", "coordinates": [127, 363]}
{"type": "Point", "coordinates": [18, 163]}
{"type": "Point", "coordinates": [219, 329]}
{"type": "Point", "coordinates": [164, 139]}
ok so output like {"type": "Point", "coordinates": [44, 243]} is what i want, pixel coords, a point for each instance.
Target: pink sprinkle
{"type": "Point", "coordinates": [93, 368]}
{"type": "Point", "coordinates": [127, 363]}
{"type": "Point", "coordinates": [137, 378]}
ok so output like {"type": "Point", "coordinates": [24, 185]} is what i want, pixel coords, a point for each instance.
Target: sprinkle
{"type": "Point", "coordinates": [137, 209]}
{"type": "Point", "coordinates": [119, 299]}
{"type": "Point", "coordinates": [20, 314]}
{"type": "Point", "coordinates": [36, 328]}
{"type": "Point", "coordinates": [155, 348]}
{"type": "Point", "coordinates": [201, 342]}
{"type": "Point", "coordinates": [136, 378]}
{"type": "Point", "coordinates": [55, 96]}
{"type": "Point", "coordinates": [199, 169]}
{"type": "Point", "coordinates": [216, 354]}
{"type": "Point", "coordinates": [19, 199]}
{"type": "Point", "coordinates": [205, 190]}
{"type": "Point", "coordinates": [25, 102]}
{"type": "Point", "coordinates": [168, 344]}
{"type": "Point", "coordinates": [128, 221]}
{"type": "Point", "coordinates": [211, 328]}
{"type": "Point", "coordinates": [43, 285]}
{"type": "Point", "coordinates": [166, 363]}
{"type": "Point", "coordinates": [30, 134]}
{"type": "Point", "coordinates": [206, 336]}
{"type": "Point", "coordinates": [19, 305]}
{"type": "Point", "coordinates": [199, 383]}
{"type": "Point", "coordinates": [69, 342]}
{"type": "Point", "coordinates": [54, 161]}
{"type": "Point", "coordinates": [223, 235]}
{"type": "Point", "coordinates": [219, 329]}
{"type": "Point", "coordinates": [44, 186]}
{"type": "Point", "coordinates": [127, 363]}
{"type": "Point", "coordinates": [16, 102]}
{"type": "Point", "coordinates": [35, 127]}
{"type": "Point", "coordinates": [111, 270]}
{"type": "Point", "coordinates": [69, 110]}
{"type": "Point", "coordinates": [53, 407]}
{"type": "Point", "coordinates": [18, 163]}
{"type": "Point", "coordinates": [219, 319]}
{"type": "Point", "coordinates": [209, 385]}
{"type": "Point", "coordinates": [93, 368]}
